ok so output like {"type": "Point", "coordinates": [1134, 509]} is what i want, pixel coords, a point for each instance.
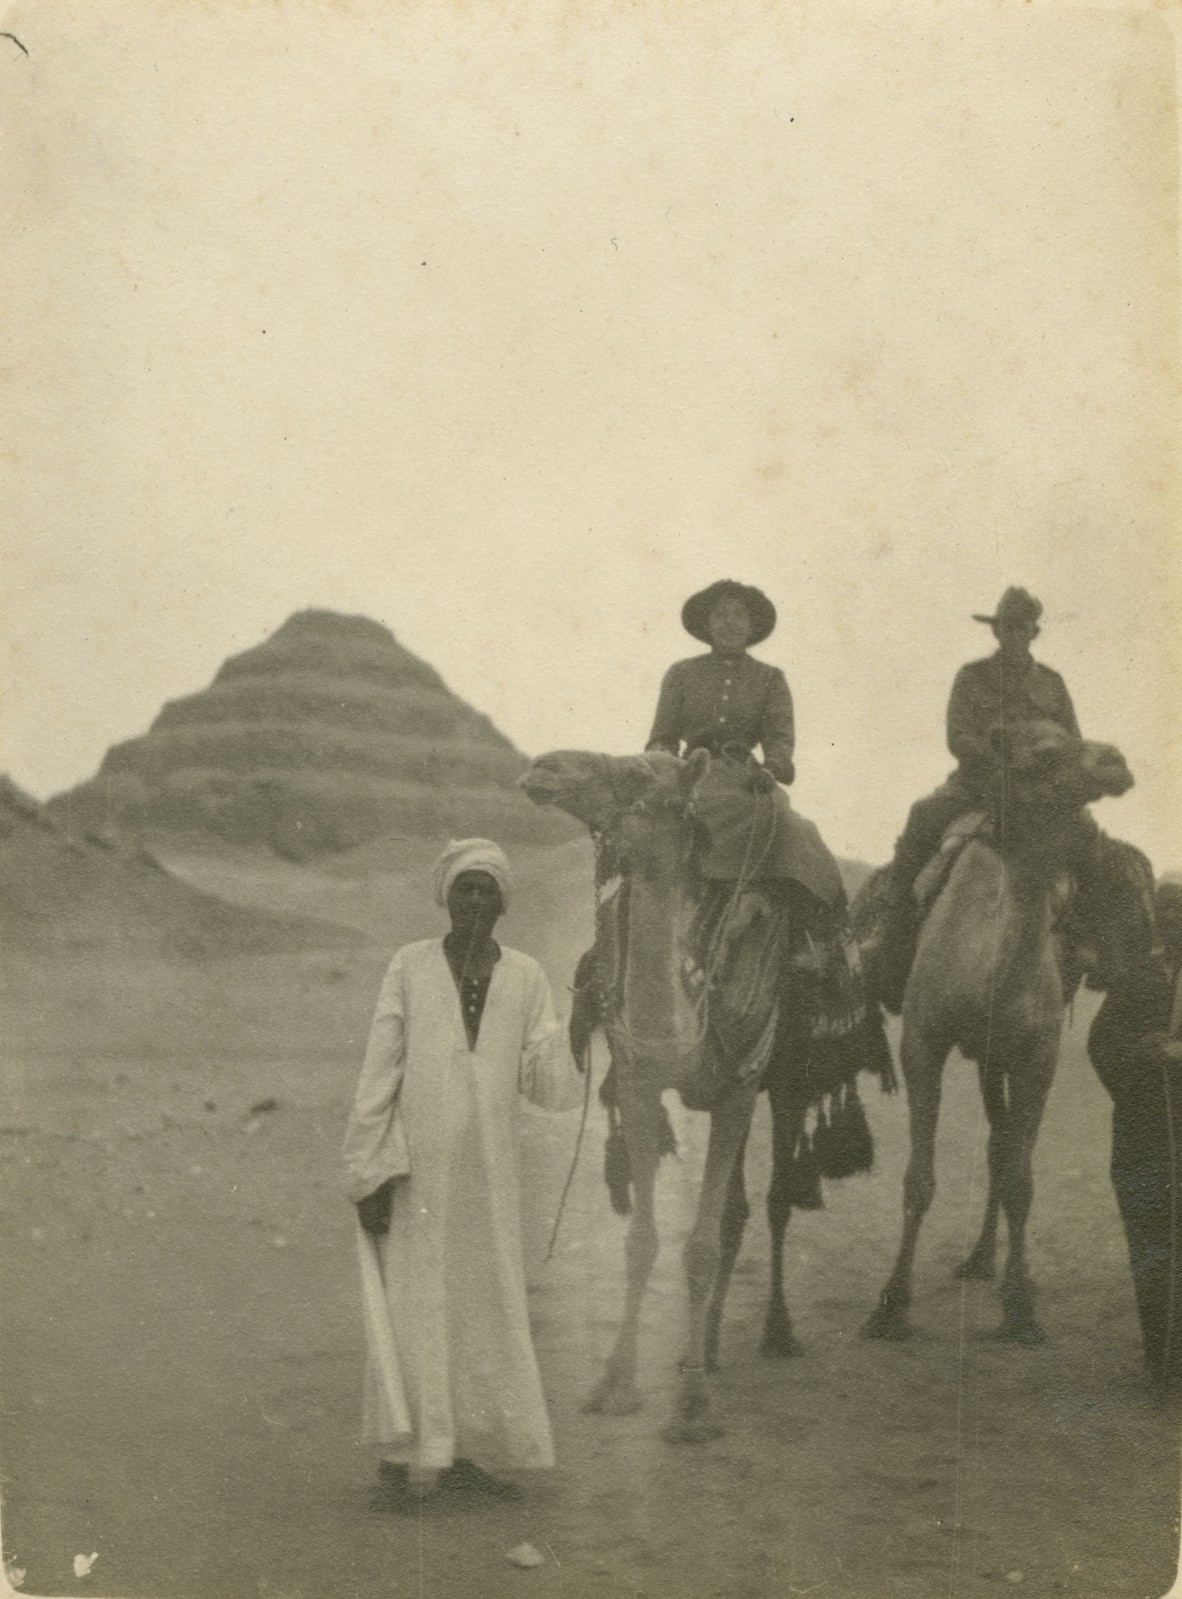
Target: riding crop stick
{"type": "Point", "coordinates": [1175, 1030]}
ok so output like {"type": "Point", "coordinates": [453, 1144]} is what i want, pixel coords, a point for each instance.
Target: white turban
{"type": "Point", "coordinates": [472, 855]}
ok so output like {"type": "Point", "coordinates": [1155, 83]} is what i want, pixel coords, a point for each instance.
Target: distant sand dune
{"type": "Point", "coordinates": [64, 891]}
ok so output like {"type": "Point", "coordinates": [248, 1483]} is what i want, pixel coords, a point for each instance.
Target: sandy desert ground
{"type": "Point", "coordinates": [181, 1340]}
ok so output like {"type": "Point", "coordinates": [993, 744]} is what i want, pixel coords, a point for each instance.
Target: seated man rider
{"type": "Point", "coordinates": [1006, 687]}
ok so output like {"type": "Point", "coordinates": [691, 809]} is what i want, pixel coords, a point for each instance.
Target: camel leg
{"type": "Point", "coordinates": [1028, 1090]}
{"type": "Point", "coordinates": [981, 1263]}
{"type": "Point", "coordinates": [923, 1068]}
{"type": "Point", "coordinates": [616, 1394]}
{"type": "Point", "coordinates": [734, 1219]}
{"type": "Point", "coordinates": [730, 1121]}
{"type": "Point", "coordinates": [779, 1341]}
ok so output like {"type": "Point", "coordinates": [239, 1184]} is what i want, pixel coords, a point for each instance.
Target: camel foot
{"type": "Point", "coordinates": [779, 1342]}
{"type": "Point", "coordinates": [1023, 1330]}
{"type": "Point", "coordinates": [612, 1395]}
{"type": "Point", "coordinates": [889, 1322]}
{"type": "Point", "coordinates": [977, 1268]}
{"type": "Point", "coordinates": [1019, 1324]}
{"type": "Point", "coordinates": [702, 1431]}
{"type": "Point", "coordinates": [693, 1422]}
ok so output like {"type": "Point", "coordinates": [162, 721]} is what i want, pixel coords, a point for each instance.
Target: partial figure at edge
{"type": "Point", "coordinates": [1135, 1045]}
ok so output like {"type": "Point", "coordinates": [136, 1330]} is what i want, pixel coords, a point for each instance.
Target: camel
{"type": "Point", "coordinates": [987, 978]}
{"type": "Point", "coordinates": [639, 810]}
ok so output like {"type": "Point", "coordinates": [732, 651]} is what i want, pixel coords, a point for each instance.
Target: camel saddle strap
{"type": "Point", "coordinates": [972, 824]}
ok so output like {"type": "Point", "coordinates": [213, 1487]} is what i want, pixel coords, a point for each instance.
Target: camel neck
{"type": "Point", "coordinates": [656, 1007]}
{"type": "Point", "coordinates": [1024, 922]}
{"type": "Point", "coordinates": [990, 936]}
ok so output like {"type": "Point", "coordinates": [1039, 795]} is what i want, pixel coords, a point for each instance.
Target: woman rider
{"type": "Point", "coordinates": [728, 703]}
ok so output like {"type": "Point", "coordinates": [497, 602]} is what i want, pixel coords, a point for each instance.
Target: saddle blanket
{"type": "Point", "coordinates": [974, 824]}
{"type": "Point", "coordinates": [756, 837]}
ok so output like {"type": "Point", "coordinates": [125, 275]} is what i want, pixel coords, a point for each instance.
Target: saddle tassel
{"type": "Point", "coordinates": [804, 1178]}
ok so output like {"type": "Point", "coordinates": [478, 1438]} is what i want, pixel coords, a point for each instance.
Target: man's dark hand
{"type": "Point", "coordinates": [1156, 1047]}
{"type": "Point", "coordinates": [373, 1212]}
{"type": "Point", "coordinates": [763, 781]}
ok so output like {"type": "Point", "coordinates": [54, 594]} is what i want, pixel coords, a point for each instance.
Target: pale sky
{"type": "Point", "coordinates": [509, 326]}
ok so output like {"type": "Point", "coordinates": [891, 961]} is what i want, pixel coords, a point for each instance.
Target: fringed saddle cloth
{"type": "Point", "coordinates": [755, 962]}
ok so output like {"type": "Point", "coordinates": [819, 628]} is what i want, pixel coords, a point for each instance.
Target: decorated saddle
{"type": "Point", "coordinates": [762, 964]}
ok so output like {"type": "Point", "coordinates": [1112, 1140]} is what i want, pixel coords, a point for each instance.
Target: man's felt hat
{"type": "Point", "coordinates": [1015, 605]}
{"type": "Point", "coordinates": [695, 613]}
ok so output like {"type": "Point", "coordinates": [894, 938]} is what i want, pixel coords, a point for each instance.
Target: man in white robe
{"type": "Point", "coordinates": [462, 1028]}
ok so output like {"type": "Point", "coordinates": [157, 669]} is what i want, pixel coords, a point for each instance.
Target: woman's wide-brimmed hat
{"type": "Point", "coordinates": [695, 613]}
{"type": "Point", "coordinates": [1015, 605]}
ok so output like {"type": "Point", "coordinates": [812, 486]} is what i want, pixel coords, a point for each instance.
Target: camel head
{"type": "Point", "coordinates": [1048, 769]}
{"type": "Point", "coordinates": [605, 791]}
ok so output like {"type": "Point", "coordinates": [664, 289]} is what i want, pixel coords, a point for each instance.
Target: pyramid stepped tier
{"type": "Point", "coordinates": [324, 736]}
{"type": "Point", "coordinates": [287, 696]}
{"type": "Point", "coordinates": [255, 747]}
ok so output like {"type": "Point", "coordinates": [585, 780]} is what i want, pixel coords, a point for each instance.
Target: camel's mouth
{"type": "Point", "coordinates": [1112, 774]}
{"type": "Point", "coordinates": [540, 793]}
{"type": "Point", "coordinates": [558, 778]}
{"type": "Point", "coordinates": [540, 786]}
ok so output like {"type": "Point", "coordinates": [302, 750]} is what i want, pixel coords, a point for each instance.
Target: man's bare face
{"type": "Point", "coordinates": [473, 903]}
{"type": "Point", "coordinates": [1014, 640]}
